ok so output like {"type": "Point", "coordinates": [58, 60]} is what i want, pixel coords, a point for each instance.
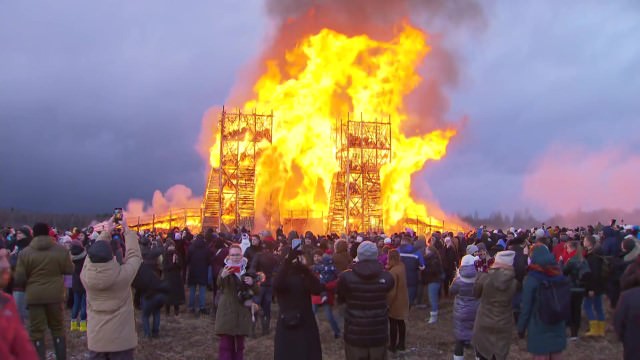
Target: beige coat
{"type": "Point", "coordinates": [110, 317]}
{"type": "Point", "coordinates": [398, 297]}
{"type": "Point", "coordinates": [493, 328]}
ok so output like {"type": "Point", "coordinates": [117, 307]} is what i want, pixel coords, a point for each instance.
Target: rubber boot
{"type": "Point", "coordinates": [434, 317]}
{"type": "Point", "coordinates": [458, 357]}
{"type": "Point", "coordinates": [74, 325]}
{"type": "Point", "coordinates": [40, 349]}
{"type": "Point", "coordinates": [602, 328]}
{"type": "Point", "coordinates": [60, 347]}
{"type": "Point", "coordinates": [83, 326]}
{"type": "Point", "coordinates": [594, 326]}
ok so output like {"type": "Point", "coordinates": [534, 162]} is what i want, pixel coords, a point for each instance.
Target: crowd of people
{"type": "Point", "coordinates": [537, 282]}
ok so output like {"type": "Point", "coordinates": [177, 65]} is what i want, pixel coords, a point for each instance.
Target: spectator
{"type": "Point", "coordinates": [493, 326]}
{"type": "Point", "coordinates": [628, 311]}
{"type": "Point", "coordinates": [266, 262]}
{"type": "Point", "coordinates": [341, 257]}
{"type": "Point", "coordinates": [233, 317]}
{"type": "Point", "coordinates": [413, 263]}
{"type": "Point", "coordinates": [364, 289]}
{"type": "Point", "coordinates": [198, 260]}
{"type": "Point", "coordinates": [544, 341]}
{"type": "Point", "coordinates": [325, 271]}
{"type": "Point", "coordinates": [297, 335]}
{"type": "Point", "coordinates": [171, 270]}
{"type": "Point", "coordinates": [465, 305]}
{"type": "Point", "coordinates": [595, 282]}
{"type": "Point", "coordinates": [40, 271]}
{"type": "Point", "coordinates": [576, 269]}
{"type": "Point", "coordinates": [78, 255]}
{"type": "Point", "coordinates": [398, 301]}
{"type": "Point", "coordinates": [23, 239]}
{"type": "Point", "coordinates": [111, 332]}
{"type": "Point", "coordinates": [14, 340]}
{"type": "Point", "coordinates": [432, 276]}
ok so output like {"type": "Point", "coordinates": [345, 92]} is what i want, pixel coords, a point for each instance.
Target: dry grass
{"type": "Point", "coordinates": [188, 337]}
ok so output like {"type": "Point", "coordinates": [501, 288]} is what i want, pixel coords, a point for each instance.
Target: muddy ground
{"type": "Point", "coordinates": [191, 337]}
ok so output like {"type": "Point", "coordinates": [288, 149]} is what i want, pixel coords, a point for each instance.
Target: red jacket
{"type": "Point", "coordinates": [561, 251]}
{"type": "Point", "coordinates": [14, 341]}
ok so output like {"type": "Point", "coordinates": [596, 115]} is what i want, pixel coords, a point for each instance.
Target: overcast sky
{"type": "Point", "coordinates": [101, 102]}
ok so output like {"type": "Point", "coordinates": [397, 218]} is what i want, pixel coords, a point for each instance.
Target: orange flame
{"type": "Point", "coordinates": [325, 77]}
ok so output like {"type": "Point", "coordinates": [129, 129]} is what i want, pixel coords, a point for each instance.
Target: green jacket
{"type": "Point", "coordinates": [40, 270]}
{"type": "Point", "coordinates": [232, 317]}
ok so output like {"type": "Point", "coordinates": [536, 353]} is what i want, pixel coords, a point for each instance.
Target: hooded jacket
{"type": "Point", "coordinates": [110, 316]}
{"type": "Point", "coordinates": [365, 289]}
{"type": "Point", "coordinates": [40, 269]}
{"type": "Point", "coordinates": [493, 327]}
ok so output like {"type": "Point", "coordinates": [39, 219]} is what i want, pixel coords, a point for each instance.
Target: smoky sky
{"type": "Point", "coordinates": [101, 102]}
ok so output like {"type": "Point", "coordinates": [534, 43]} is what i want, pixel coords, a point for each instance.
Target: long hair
{"type": "Point", "coordinates": [394, 258]}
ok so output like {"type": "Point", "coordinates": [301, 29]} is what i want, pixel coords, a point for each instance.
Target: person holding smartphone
{"type": "Point", "coordinates": [233, 318]}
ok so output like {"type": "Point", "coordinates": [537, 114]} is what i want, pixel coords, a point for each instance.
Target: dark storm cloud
{"type": "Point", "coordinates": [100, 102]}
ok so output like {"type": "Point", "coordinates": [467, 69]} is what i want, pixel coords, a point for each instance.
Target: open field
{"type": "Point", "coordinates": [188, 337]}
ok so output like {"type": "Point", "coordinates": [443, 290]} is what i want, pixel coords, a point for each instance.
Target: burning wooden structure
{"type": "Point", "coordinates": [362, 148]}
{"type": "Point", "coordinates": [229, 198]}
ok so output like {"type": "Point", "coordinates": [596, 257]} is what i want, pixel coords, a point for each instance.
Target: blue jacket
{"type": "Point", "coordinates": [611, 246]}
{"type": "Point", "coordinates": [412, 261]}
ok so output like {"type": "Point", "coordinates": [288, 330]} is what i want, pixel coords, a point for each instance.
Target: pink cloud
{"type": "Point", "coordinates": [567, 178]}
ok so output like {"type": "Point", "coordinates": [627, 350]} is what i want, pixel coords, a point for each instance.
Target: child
{"type": "Point", "coordinates": [465, 305]}
{"type": "Point", "coordinates": [326, 271]}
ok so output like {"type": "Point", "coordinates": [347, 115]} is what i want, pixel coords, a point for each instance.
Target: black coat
{"type": "Point", "coordinates": [433, 271]}
{"type": "Point", "coordinates": [76, 284]}
{"type": "Point", "coordinates": [265, 262]}
{"type": "Point", "coordinates": [251, 253]}
{"type": "Point", "coordinates": [148, 283]}
{"type": "Point", "coordinates": [172, 269]}
{"type": "Point", "coordinates": [364, 288]}
{"type": "Point", "coordinates": [593, 280]}
{"type": "Point", "coordinates": [198, 260]}
{"type": "Point", "coordinates": [293, 286]}
{"type": "Point", "coordinates": [625, 322]}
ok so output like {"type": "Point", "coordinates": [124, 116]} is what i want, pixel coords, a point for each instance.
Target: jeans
{"type": "Point", "coordinates": [79, 306]}
{"type": "Point", "coordinates": [21, 304]}
{"type": "Point", "coordinates": [593, 303]}
{"type": "Point", "coordinates": [151, 306]}
{"type": "Point", "coordinates": [264, 300]}
{"type": "Point", "coordinates": [413, 291]}
{"type": "Point", "coordinates": [434, 295]}
{"type": "Point", "coordinates": [328, 311]}
{"type": "Point", "coordinates": [202, 292]}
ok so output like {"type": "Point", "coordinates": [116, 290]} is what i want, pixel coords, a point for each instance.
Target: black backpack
{"type": "Point", "coordinates": [554, 301]}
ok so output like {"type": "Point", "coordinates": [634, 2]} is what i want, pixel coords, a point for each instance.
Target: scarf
{"type": "Point", "coordinates": [549, 270]}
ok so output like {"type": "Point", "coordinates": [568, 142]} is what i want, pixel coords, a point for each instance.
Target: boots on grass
{"type": "Point", "coordinates": [594, 327]}
{"type": "Point", "coordinates": [60, 347]}
{"type": "Point", "coordinates": [40, 349]}
{"type": "Point", "coordinates": [83, 326]}
{"type": "Point", "coordinates": [74, 325]}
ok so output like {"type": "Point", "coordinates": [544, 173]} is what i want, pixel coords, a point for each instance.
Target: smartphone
{"type": "Point", "coordinates": [117, 215]}
{"type": "Point", "coordinates": [296, 244]}
{"type": "Point", "coordinates": [234, 269]}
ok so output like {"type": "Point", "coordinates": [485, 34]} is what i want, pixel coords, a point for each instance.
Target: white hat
{"type": "Point", "coordinates": [540, 234]}
{"type": "Point", "coordinates": [359, 239]}
{"type": "Point", "coordinates": [504, 258]}
{"type": "Point", "coordinates": [387, 241]}
{"type": "Point", "coordinates": [468, 260]}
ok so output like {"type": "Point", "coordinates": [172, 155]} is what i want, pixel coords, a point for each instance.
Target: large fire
{"type": "Point", "coordinates": [325, 77]}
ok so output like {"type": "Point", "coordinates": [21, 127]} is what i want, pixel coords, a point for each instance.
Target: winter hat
{"type": "Point", "coordinates": [40, 229]}
{"type": "Point", "coordinates": [387, 241]}
{"type": "Point", "coordinates": [100, 252]}
{"type": "Point", "coordinates": [504, 258]}
{"type": "Point", "coordinates": [367, 251]}
{"type": "Point", "coordinates": [359, 239]}
{"type": "Point", "coordinates": [481, 246]}
{"type": "Point", "coordinates": [94, 235]}
{"type": "Point", "coordinates": [76, 248]}
{"type": "Point", "coordinates": [540, 234]}
{"type": "Point", "coordinates": [472, 249]}
{"type": "Point", "coordinates": [447, 241]}
{"type": "Point", "coordinates": [468, 260]}
{"type": "Point", "coordinates": [4, 260]}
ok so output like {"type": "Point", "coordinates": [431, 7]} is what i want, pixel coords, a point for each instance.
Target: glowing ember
{"type": "Point", "coordinates": [325, 77]}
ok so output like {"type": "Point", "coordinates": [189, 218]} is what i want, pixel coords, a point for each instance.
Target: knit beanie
{"type": "Point", "coordinates": [100, 252]}
{"type": "Point", "coordinates": [367, 251]}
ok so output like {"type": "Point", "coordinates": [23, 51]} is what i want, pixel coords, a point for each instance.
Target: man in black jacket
{"type": "Point", "coordinates": [265, 262]}
{"type": "Point", "coordinates": [364, 290]}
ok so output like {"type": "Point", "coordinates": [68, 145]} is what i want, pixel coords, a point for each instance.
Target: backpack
{"type": "Point", "coordinates": [554, 301]}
